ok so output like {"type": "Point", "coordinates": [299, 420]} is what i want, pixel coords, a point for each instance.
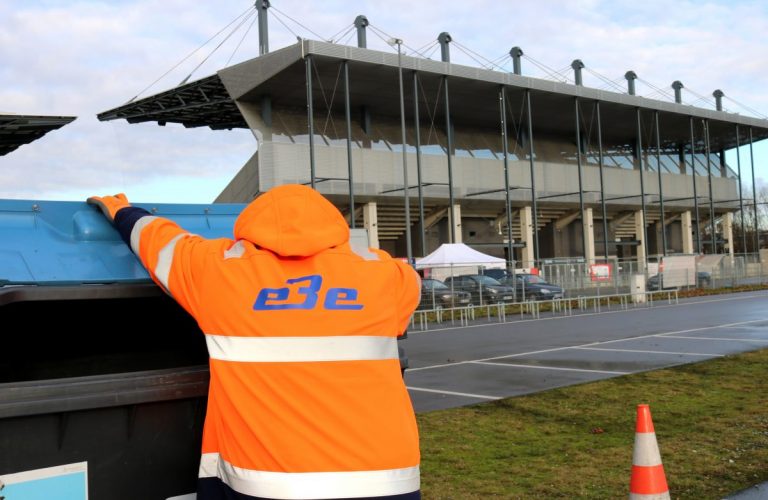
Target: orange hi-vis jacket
{"type": "Point", "coordinates": [306, 397]}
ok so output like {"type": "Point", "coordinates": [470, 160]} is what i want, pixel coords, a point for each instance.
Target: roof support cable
{"type": "Point", "coordinates": [255, 18]}
{"type": "Point", "coordinates": [611, 83]}
{"type": "Point", "coordinates": [342, 32]}
{"type": "Point", "coordinates": [502, 58]}
{"type": "Point", "coordinates": [587, 127]}
{"type": "Point", "coordinates": [244, 20]}
{"type": "Point", "coordinates": [751, 110]}
{"type": "Point", "coordinates": [432, 52]}
{"type": "Point", "coordinates": [504, 66]}
{"type": "Point", "coordinates": [427, 50]}
{"type": "Point", "coordinates": [503, 63]}
{"type": "Point", "coordinates": [546, 69]}
{"type": "Point", "coordinates": [661, 91]}
{"type": "Point", "coordinates": [426, 46]}
{"type": "Point", "coordinates": [329, 105]}
{"type": "Point", "coordinates": [432, 111]}
{"type": "Point", "coordinates": [468, 54]}
{"type": "Point", "coordinates": [275, 9]}
{"type": "Point", "coordinates": [352, 32]}
{"type": "Point", "coordinates": [246, 11]}
{"type": "Point", "coordinates": [565, 71]}
{"type": "Point", "coordinates": [386, 37]}
{"type": "Point", "coordinates": [703, 98]}
{"type": "Point", "coordinates": [467, 50]}
{"type": "Point", "coordinates": [654, 95]}
{"type": "Point", "coordinates": [286, 26]}
{"type": "Point", "coordinates": [517, 125]}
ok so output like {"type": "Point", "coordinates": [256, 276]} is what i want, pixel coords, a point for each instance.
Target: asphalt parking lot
{"type": "Point", "coordinates": [457, 366]}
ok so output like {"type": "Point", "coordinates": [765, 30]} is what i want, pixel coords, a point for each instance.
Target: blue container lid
{"type": "Point", "coordinates": [66, 243]}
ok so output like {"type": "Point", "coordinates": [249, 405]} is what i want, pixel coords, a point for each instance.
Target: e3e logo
{"type": "Point", "coordinates": [275, 299]}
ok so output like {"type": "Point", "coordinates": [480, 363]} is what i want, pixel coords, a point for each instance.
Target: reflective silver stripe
{"type": "Point", "coordinates": [299, 485]}
{"type": "Point", "coordinates": [136, 231]}
{"type": "Point", "coordinates": [237, 250]}
{"type": "Point", "coordinates": [652, 496]}
{"type": "Point", "coordinates": [165, 259]}
{"type": "Point", "coordinates": [646, 452]}
{"type": "Point", "coordinates": [209, 464]}
{"type": "Point", "coordinates": [363, 251]}
{"type": "Point", "coordinates": [298, 349]}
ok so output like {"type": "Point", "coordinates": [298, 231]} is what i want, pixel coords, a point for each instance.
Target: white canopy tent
{"type": "Point", "coordinates": [459, 254]}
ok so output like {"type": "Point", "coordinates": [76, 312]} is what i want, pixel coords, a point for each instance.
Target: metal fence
{"type": "Point", "coordinates": [716, 271]}
{"type": "Point", "coordinates": [617, 285]}
{"type": "Point", "coordinates": [424, 319]}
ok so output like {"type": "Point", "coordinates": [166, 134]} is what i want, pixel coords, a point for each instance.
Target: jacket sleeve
{"type": "Point", "coordinates": [408, 299]}
{"type": "Point", "coordinates": [408, 285]}
{"type": "Point", "coordinates": [173, 257]}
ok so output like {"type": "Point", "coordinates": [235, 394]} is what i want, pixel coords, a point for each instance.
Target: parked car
{"type": "Point", "coordinates": [437, 295]}
{"type": "Point", "coordinates": [703, 279]}
{"type": "Point", "coordinates": [497, 274]}
{"type": "Point", "coordinates": [534, 287]}
{"type": "Point", "coordinates": [483, 289]}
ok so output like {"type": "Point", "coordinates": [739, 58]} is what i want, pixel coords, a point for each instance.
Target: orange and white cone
{"type": "Point", "coordinates": [648, 481]}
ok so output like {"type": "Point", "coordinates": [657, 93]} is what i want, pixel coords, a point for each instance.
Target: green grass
{"type": "Point", "coordinates": [711, 422]}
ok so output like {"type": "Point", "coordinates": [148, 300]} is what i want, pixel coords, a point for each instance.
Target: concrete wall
{"type": "Point", "coordinates": [375, 171]}
{"type": "Point", "coordinates": [245, 185]}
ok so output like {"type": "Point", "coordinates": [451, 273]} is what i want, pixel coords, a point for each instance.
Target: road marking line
{"type": "Point", "coordinates": [724, 325]}
{"type": "Point", "coordinates": [451, 393]}
{"type": "Point", "coordinates": [513, 365]}
{"type": "Point", "coordinates": [443, 365]}
{"type": "Point", "coordinates": [650, 352]}
{"type": "Point", "coordinates": [715, 338]}
{"type": "Point", "coordinates": [555, 349]}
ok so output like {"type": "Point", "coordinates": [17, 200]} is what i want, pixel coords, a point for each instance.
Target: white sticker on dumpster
{"type": "Point", "coordinates": [63, 482]}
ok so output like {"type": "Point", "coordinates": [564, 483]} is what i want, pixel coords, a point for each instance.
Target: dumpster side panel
{"type": "Point", "coordinates": [146, 451]}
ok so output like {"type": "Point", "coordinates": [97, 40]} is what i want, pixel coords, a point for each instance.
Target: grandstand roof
{"type": "Point", "coordinates": [211, 101]}
{"type": "Point", "coordinates": [17, 130]}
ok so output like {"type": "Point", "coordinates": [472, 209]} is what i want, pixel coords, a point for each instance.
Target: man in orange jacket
{"type": "Point", "coordinates": [306, 398]}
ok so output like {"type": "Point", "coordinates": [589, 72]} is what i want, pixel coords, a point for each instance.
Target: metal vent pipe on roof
{"type": "Point", "coordinates": [718, 95]}
{"type": "Point", "coordinates": [262, 6]}
{"type": "Point", "coordinates": [516, 53]}
{"type": "Point", "coordinates": [360, 23]}
{"type": "Point", "coordinates": [577, 66]}
{"type": "Point", "coordinates": [631, 76]}
{"type": "Point", "coordinates": [445, 52]}
{"type": "Point", "coordinates": [678, 86]}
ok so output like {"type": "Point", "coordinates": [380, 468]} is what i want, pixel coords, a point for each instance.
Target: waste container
{"type": "Point", "coordinates": [103, 378]}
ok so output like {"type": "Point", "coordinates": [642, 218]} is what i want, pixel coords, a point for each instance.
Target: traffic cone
{"type": "Point", "coordinates": [648, 481]}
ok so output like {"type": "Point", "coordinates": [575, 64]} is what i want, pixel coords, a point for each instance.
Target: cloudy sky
{"type": "Point", "coordinates": [79, 58]}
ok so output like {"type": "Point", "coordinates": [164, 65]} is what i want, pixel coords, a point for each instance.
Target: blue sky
{"type": "Point", "coordinates": [82, 57]}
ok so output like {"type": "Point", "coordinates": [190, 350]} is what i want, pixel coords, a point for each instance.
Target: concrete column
{"type": "Point", "coordinates": [655, 240]}
{"type": "Point", "coordinates": [455, 219]}
{"type": "Point", "coordinates": [371, 223]}
{"type": "Point", "coordinates": [589, 236]}
{"type": "Point", "coordinates": [687, 229]}
{"type": "Point", "coordinates": [526, 233]}
{"type": "Point", "coordinates": [728, 232]}
{"type": "Point", "coordinates": [640, 236]}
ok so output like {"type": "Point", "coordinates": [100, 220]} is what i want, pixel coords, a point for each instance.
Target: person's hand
{"type": "Point", "coordinates": [109, 205]}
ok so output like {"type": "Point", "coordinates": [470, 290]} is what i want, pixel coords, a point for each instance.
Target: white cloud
{"type": "Point", "coordinates": [83, 57]}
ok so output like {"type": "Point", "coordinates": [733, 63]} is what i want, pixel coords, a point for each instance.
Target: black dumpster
{"type": "Point", "coordinates": [103, 378]}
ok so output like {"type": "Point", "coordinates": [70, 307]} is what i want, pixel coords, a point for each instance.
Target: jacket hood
{"type": "Point", "coordinates": [292, 221]}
